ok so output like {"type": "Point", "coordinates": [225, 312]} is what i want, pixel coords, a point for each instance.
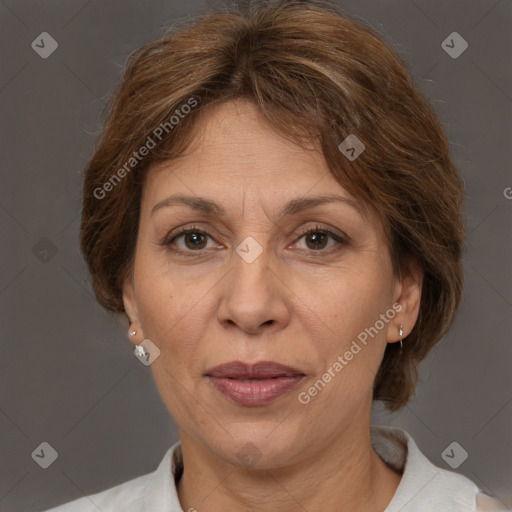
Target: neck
{"type": "Point", "coordinates": [347, 475]}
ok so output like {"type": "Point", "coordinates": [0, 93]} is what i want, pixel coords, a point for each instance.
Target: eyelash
{"type": "Point", "coordinates": [299, 234]}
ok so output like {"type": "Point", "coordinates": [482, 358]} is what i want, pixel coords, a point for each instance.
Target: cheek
{"type": "Point", "coordinates": [352, 300]}
{"type": "Point", "coordinates": [173, 317]}
{"type": "Point", "coordinates": [176, 311]}
{"type": "Point", "coordinates": [165, 301]}
{"type": "Point", "coordinates": [349, 312]}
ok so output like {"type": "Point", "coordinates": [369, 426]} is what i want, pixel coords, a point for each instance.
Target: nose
{"type": "Point", "coordinates": [254, 297]}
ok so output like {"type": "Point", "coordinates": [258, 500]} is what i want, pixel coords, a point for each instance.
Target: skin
{"type": "Point", "coordinates": [291, 305]}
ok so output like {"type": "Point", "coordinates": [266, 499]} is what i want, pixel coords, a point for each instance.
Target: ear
{"type": "Point", "coordinates": [408, 296]}
{"type": "Point", "coordinates": [130, 306]}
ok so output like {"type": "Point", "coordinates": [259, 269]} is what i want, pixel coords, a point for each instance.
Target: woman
{"type": "Point", "coordinates": [273, 206]}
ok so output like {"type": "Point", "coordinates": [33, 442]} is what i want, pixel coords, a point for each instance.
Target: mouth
{"type": "Point", "coordinates": [256, 384]}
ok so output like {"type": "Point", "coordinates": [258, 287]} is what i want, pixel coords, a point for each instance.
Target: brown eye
{"type": "Point", "coordinates": [194, 240]}
{"type": "Point", "coordinates": [320, 240]}
{"type": "Point", "coordinates": [316, 240]}
{"type": "Point", "coordinates": [188, 240]}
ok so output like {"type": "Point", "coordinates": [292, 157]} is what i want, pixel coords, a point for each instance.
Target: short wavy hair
{"type": "Point", "coordinates": [318, 76]}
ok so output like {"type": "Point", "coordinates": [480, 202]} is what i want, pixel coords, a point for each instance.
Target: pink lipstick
{"type": "Point", "coordinates": [254, 384]}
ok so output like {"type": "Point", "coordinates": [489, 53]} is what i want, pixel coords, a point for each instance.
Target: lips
{"type": "Point", "coordinates": [256, 384]}
{"type": "Point", "coordinates": [261, 370]}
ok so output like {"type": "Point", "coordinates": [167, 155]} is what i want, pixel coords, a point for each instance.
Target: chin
{"type": "Point", "coordinates": [257, 446]}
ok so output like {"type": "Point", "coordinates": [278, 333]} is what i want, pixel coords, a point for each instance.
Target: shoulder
{"type": "Point", "coordinates": [127, 496]}
{"type": "Point", "coordinates": [486, 503]}
{"type": "Point", "coordinates": [425, 487]}
{"type": "Point", "coordinates": [152, 491]}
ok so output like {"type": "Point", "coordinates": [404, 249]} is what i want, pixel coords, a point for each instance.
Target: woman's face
{"type": "Point", "coordinates": [247, 284]}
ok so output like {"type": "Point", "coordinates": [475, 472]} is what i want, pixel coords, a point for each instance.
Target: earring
{"type": "Point", "coordinates": [132, 333]}
{"type": "Point", "coordinates": [401, 333]}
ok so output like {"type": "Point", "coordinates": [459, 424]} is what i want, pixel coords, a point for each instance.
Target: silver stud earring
{"type": "Point", "coordinates": [401, 332]}
{"type": "Point", "coordinates": [132, 333]}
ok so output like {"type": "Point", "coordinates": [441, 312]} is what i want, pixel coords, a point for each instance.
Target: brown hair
{"type": "Point", "coordinates": [317, 76]}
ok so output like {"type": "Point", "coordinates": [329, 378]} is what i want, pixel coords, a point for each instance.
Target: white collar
{"type": "Point", "coordinates": [423, 487]}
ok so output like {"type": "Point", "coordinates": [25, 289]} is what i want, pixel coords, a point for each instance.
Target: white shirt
{"type": "Point", "coordinates": [423, 487]}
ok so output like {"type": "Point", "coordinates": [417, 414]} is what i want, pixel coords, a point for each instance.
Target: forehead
{"type": "Point", "coordinates": [238, 160]}
{"type": "Point", "coordinates": [239, 166]}
{"type": "Point", "coordinates": [234, 145]}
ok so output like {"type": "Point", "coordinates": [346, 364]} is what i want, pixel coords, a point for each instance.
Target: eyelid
{"type": "Point", "coordinates": [336, 233]}
{"type": "Point", "coordinates": [169, 238]}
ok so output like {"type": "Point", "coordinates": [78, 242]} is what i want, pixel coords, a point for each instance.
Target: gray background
{"type": "Point", "coordinates": [67, 371]}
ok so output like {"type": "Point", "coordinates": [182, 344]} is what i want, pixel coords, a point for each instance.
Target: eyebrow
{"type": "Point", "coordinates": [292, 207]}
